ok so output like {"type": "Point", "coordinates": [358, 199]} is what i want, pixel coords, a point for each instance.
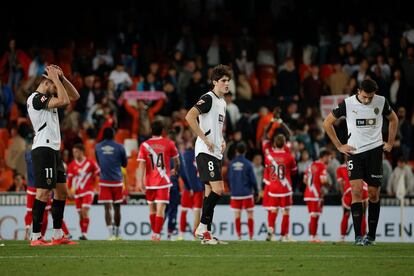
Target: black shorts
{"type": "Point", "coordinates": [209, 168]}
{"type": "Point", "coordinates": [366, 166]}
{"type": "Point", "coordinates": [48, 168]}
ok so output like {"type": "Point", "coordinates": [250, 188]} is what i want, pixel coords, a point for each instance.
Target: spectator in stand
{"type": "Point", "coordinates": [351, 66]}
{"type": "Point", "coordinates": [258, 170]}
{"type": "Point", "coordinates": [232, 111]}
{"type": "Point", "coordinates": [338, 80]}
{"type": "Point", "coordinates": [38, 65]}
{"type": "Point", "coordinates": [404, 132]}
{"type": "Point", "coordinates": [142, 117]}
{"type": "Point", "coordinates": [363, 72]}
{"type": "Point", "coordinates": [386, 173]}
{"type": "Point", "coordinates": [102, 62]}
{"type": "Point", "coordinates": [195, 89]}
{"type": "Point", "coordinates": [121, 78]}
{"type": "Point", "coordinates": [368, 48]}
{"type": "Point", "coordinates": [14, 65]}
{"type": "Point", "coordinates": [289, 82]}
{"type": "Point", "coordinates": [150, 83]}
{"type": "Point", "coordinates": [18, 184]}
{"type": "Point", "coordinates": [398, 92]}
{"type": "Point", "coordinates": [184, 79]}
{"type": "Point", "coordinates": [87, 97]}
{"type": "Point", "coordinates": [384, 67]}
{"type": "Point", "coordinates": [352, 36]}
{"type": "Point", "coordinates": [313, 87]}
{"type": "Point", "coordinates": [403, 173]}
{"type": "Point", "coordinates": [15, 155]}
{"type": "Point", "coordinates": [244, 89]}
{"type": "Point", "coordinates": [407, 65]}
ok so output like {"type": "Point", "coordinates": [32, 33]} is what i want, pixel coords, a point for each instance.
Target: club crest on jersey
{"type": "Point", "coordinates": [200, 102]}
{"type": "Point", "coordinates": [221, 118]}
{"type": "Point", "coordinates": [376, 110]}
{"type": "Point", "coordinates": [49, 181]}
{"type": "Point", "coordinates": [212, 174]}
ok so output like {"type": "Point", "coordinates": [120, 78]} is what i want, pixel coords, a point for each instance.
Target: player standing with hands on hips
{"type": "Point", "coordinates": [53, 91]}
{"type": "Point", "coordinates": [364, 117]}
{"type": "Point", "coordinates": [210, 110]}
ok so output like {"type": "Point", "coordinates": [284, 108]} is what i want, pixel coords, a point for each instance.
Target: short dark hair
{"type": "Point", "coordinates": [108, 133]}
{"type": "Point", "coordinates": [324, 152]}
{"type": "Point", "coordinates": [157, 127]}
{"type": "Point", "coordinates": [369, 86]}
{"type": "Point", "coordinates": [80, 147]}
{"type": "Point", "coordinates": [241, 147]}
{"type": "Point", "coordinates": [280, 140]}
{"type": "Point", "coordinates": [219, 71]}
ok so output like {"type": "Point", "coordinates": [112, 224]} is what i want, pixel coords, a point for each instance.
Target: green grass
{"type": "Point", "coordinates": [192, 258]}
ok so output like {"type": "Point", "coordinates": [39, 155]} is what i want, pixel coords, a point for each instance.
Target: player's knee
{"type": "Point", "coordinates": [43, 195]}
{"type": "Point", "coordinates": [373, 196]}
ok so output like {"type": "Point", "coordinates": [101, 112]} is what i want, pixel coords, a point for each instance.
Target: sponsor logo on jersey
{"type": "Point", "coordinates": [200, 102]}
{"type": "Point", "coordinates": [43, 99]}
{"type": "Point", "coordinates": [221, 118]}
{"type": "Point", "coordinates": [366, 122]}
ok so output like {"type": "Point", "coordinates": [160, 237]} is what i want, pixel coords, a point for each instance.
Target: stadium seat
{"type": "Point", "coordinates": [130, 145]}
{"type": "Point", "coordinates": [4, 135]}
{"type": "Point", "coordinates": [90, 149]}
{"type": "Point", "coordinates": [122, 134]}
{"type": "Point", "coordinates": [131, 168]}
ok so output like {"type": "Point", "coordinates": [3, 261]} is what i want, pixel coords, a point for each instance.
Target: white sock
{"type": "Point", "coordinates": [202, 227]}
{"type": "Point", "coordinates": [57, 234]}
{"type": "Point", "coordinates": [110, 230]}
{"type": "Point", "coordinates": [36, 236]}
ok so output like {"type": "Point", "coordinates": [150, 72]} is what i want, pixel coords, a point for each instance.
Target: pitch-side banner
{"type": "Point", "coordinates": [135, 223]}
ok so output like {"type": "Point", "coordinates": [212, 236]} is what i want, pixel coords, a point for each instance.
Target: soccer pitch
{"type": "Point", "coordinates": [192, 258]}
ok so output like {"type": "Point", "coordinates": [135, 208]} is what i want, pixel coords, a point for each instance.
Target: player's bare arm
{"type": "Point", "coordinates": [62, 98]}
{"type": "Point", "coordinates": [392, 131]}
{"type": "Point", "coordinates": [191, 118]}
{"type": "Point", "coordinates": [141, 175]}
{"type": "Point", "coordinates": [73, 93]}
{"type": "Point", "coordinates": [328, 126]}
{"type": "Point", "coordinates": [176, 169]}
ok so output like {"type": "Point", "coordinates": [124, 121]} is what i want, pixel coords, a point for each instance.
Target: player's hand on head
{"type": "Point", "coordinates": [346, 149]}
{"type": "Point", "coordinates": [52, 73]}
{"type": "Point", "coordinates": [60, 71]}
{"type": "Point", "coordinates": [387, 147]}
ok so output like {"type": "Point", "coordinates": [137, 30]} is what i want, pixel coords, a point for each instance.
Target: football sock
{"type": "Point", "coordinates": [356, 209]}
{"type": "Point", "coordinates": [116, 231]}
{"type": "Point", "coordinates": [237, 222]}
{"type": "Point", "coordinates": [250, 224]}
{"type": "Point", "coordinates": [344, 223]}
{"type": "Point", "coordinates": [45, 222]}
{"type": "Point", "coordinates": [159, 221]}
{"type": "Point", "coordinates": [110, 230]}
{"type": "Point", "coordinates": [183, 221]}
{"type": "Point", "coordinates": [65, 228]}
{"type": "Point", "coordinates": [58, 207]}
{"type": "Point", "coordinates": [364, 225]}
{"type": "Point", "coordinates": [271, 219]}
{"type": "Point", "coordinates": [57, 233]}
{"type": "Point", "coordinates": [373, 216]}
{"type": "Point", "coordinates": [285, 225]}
{"type": "Point", "coordinates": [28, 218]}
{"type": "Point", "coordinates": [152, 221]}
{"type": "Point", "coordinates": [38, 211]}
{"type": "Point", "coordinates": [208, 208]}
{"type": "Point", "coordinates": [313, 225]}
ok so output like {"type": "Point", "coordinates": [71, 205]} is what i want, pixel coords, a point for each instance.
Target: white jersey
{"type": "Point", "coordinates": [45, 121]}
{"type": "Point", "coordinates": [364, 122]}
{"type": "Point", "coordinates": [212, 114]}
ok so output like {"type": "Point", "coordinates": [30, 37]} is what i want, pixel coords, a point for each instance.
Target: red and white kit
{"type": "Point", "coordinates": [342, 174]}
{"type": "Point", "coordinates": [157, 152]}
{"type": "Point", "coordinates": [314, 176]}
{"type": "Point", "coordinates": [280, 165]}
{"type": "Point", "coordinates": [81, 177]}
